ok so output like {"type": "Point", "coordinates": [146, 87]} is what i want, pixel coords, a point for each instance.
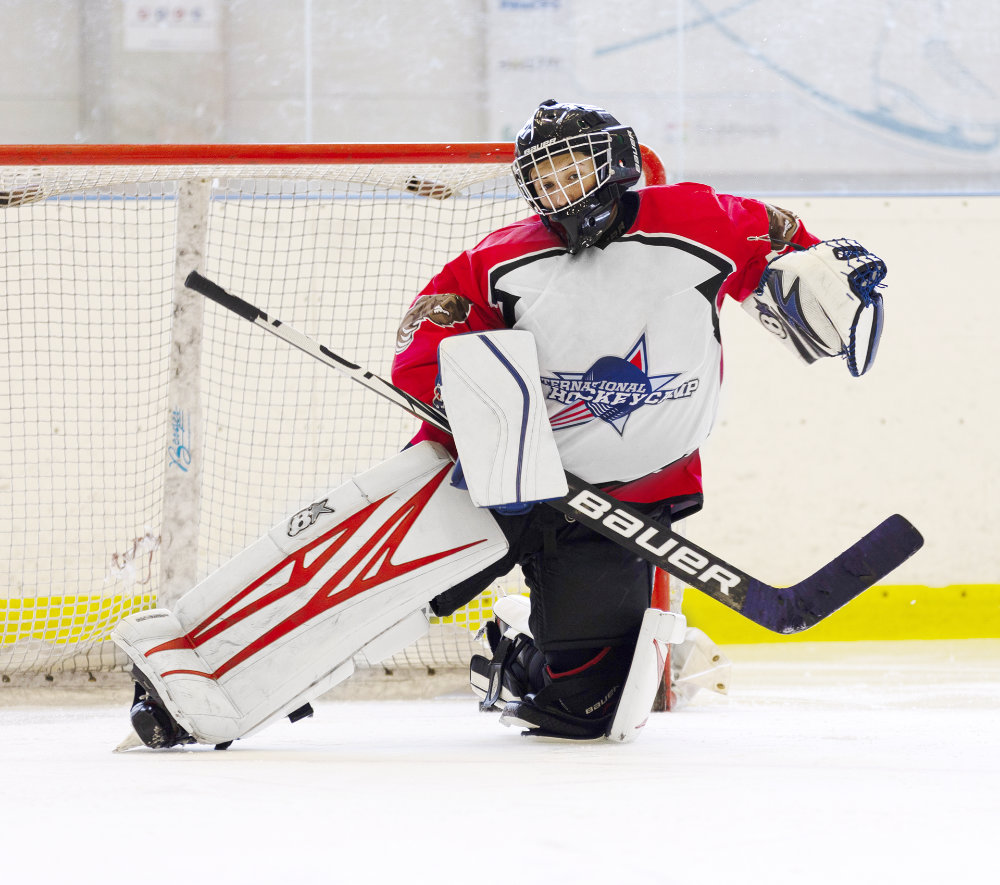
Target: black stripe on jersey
{"type": "Point", "coordinates": [505, 300]}
{"type": "Point", "coordinates": [710, 288]}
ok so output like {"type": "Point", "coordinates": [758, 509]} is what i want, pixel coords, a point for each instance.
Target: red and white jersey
{"type": "Point", "coordinates": [628, 337]}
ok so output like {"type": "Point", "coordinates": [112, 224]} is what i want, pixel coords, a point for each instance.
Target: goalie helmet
{"type": "Point", "coordinates": [577, 135]}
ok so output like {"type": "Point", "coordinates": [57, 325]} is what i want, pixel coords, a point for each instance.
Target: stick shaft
{"type": "Point", "coordinates": [787, 610]}
{"type": "Point", "coordinates": [317, 351]}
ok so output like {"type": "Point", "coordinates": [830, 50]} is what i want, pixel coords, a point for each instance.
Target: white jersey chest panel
{"type": "Point", "coordinates": [627, 349]}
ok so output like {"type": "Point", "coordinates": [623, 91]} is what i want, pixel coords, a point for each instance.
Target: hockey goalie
{"type": "Point", "coordinates": [584, 338]}
{"type": "Point", "coordinates": [355, 574]}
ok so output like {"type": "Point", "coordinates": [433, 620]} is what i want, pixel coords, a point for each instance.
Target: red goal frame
{"type": "Point", "coordinates": [29, 155]}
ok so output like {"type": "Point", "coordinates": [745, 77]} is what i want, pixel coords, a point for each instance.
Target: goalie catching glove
{"type": "Point", "coordinates": [824, 301]}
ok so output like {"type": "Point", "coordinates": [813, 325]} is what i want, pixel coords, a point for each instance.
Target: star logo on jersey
{"type": "Point", "coordinates": [612, 389]}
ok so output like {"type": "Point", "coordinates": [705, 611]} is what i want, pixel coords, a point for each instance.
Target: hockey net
{"type": "Point", "coordinates": [150, 437]}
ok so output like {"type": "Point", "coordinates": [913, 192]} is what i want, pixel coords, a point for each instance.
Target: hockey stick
{"type": "Point", "coordinates": [783, 610]}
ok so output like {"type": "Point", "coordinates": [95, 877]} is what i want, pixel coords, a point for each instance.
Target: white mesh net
{"type": "Point", "coordinates": [95, 423]}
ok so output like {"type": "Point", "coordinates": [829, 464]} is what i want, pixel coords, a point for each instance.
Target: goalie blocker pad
{"type": "Point", "coordinates": [496, 407]}
{"type": "Point", "coordinates": [824, 301]}
{"type": "Point", "coordinates": [281, 623]}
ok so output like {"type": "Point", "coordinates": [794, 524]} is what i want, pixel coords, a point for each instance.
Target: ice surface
{"type": "Point", "coordinates": [827, 763]}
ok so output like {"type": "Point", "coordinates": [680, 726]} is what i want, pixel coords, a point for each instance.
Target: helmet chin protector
{"type": "Point", "coordinates": [561, 134]}
{"type": "Point", "coordinates": [584, 227]}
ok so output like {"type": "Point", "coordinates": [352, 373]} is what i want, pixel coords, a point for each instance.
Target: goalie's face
{"type": "Point", "coordinates": [563, 180]}
{"type": "Point", "coordinates": [571, 183]}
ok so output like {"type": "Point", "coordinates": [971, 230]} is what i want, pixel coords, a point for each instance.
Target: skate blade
{"type": "Point", "coordinates": [131, 742]}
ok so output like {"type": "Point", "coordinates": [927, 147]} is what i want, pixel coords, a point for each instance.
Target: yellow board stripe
{"type": "Point", "coordinates": [66, 619]}
{"type": "Point", "coordinates": [63, 620]}
{"type": "Point", "coordinates": [959, 611]}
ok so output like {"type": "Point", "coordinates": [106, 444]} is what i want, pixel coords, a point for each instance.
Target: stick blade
{"type": "Point", "coordinates": [862, 565]}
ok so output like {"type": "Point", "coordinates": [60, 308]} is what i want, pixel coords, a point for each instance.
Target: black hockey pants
{"type": "Point", "coordinates": [586, 590]}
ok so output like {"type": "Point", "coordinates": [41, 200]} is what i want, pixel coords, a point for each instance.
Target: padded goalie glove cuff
{"type": "Point", "coordinates": [824, 301]}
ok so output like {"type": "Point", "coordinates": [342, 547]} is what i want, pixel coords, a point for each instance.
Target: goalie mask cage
{"type": "Point", "coordinates": [150, 436]}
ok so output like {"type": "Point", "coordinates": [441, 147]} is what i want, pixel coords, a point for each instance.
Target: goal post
{"type": "Point", "coordinates": [148, 437]}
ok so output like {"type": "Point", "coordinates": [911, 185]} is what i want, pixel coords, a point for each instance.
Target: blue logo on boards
{"type": "Point", "coordinates": [612, 389]}
{"type": "Point", "coordinates": [179, 449]}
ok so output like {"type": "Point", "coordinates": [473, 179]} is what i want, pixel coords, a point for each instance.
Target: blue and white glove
{"type": "Point", "coordinates": [824, 301]}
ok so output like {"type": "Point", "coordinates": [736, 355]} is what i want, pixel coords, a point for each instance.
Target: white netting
{"type": "Point", "coordinates": [89, 429]}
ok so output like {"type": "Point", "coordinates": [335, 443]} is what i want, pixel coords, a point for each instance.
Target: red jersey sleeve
{"type": "Point", "coordinates": [749, 232]}
{"type": "Point", "coordinates": [766, 230]}
{"type": "Point", "coordinates": [454, 302]}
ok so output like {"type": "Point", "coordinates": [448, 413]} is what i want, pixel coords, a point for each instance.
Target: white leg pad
{"type": "Point", "coordinates": [659, 629]}
{"type": "Point", "coordinates": [196, 699]}
{"type": "Point", "coordinates": [281, 623]}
